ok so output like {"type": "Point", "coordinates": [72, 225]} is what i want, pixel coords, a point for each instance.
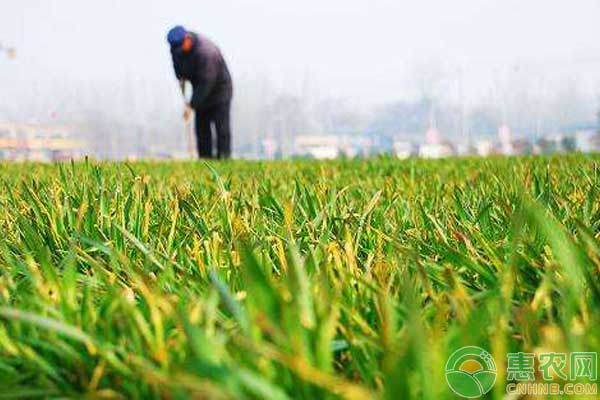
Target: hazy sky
{"type": "Point", "coordinates": [365, 49]}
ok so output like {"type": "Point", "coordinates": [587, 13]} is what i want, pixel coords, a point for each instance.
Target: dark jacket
{"type": "Point", "coordinates": [206, 70]}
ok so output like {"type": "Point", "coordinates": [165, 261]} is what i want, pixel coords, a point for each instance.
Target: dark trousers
{"type": "Point", "coordinates": [218, 116]}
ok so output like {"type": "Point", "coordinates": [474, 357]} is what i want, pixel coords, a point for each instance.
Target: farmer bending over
{"type": "Point", "coordinates": [198, 60]}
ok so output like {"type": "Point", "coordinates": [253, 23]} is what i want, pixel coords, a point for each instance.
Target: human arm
{"type": "Point", "coordinates": [187, 111]}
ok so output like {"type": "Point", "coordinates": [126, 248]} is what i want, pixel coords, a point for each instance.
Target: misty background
{"type": "Point", "coordinates": [379, 68]}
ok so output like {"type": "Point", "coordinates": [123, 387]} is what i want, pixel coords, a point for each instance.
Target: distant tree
{"type": "Point", "coordinates": [546, 146]}
{"type": "Point", "coordinates": [568, 144]}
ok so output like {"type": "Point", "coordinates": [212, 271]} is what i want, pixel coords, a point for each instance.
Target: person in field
{"type": "Point", "coordinates": [199, 61]}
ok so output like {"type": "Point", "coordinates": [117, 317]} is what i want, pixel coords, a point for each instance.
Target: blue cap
{"type": "Point", "coordinates": [176, 35]}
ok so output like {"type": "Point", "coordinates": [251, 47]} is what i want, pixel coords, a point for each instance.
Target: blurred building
{"type": "Point", "coordinates": [358, 146]}
{"type": "Point", "coordinates": [435, 146]}
{"type": "Point", "coordinates": [484, 147]}
{"type": "Point", "coordinates": [505, 143]}
{"type": "Point", "coordinates": [588, 140]}
{"type": "Point", "coordinates": [404, 149]}
{"type": "Point", "coordinates": [269, 148]}
{"type": "Point", "coordinates": [317, 146]}
{"type": "Point", "coordinates": [442, 150]}
{"type": "Point", "coordinates": [465, 149]}
{"type": "Point", "coordinates": [38, 142]}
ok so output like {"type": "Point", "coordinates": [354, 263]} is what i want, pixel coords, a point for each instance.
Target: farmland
{"type": "Point", "coordinates": [290, 280]}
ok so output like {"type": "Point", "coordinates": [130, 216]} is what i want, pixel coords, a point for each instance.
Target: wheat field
{"type": "Point", "coordinates": [351, 279]}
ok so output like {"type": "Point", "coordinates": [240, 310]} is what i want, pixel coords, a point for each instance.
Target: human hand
{"type": "Point", "coordinates": [187, 113]}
